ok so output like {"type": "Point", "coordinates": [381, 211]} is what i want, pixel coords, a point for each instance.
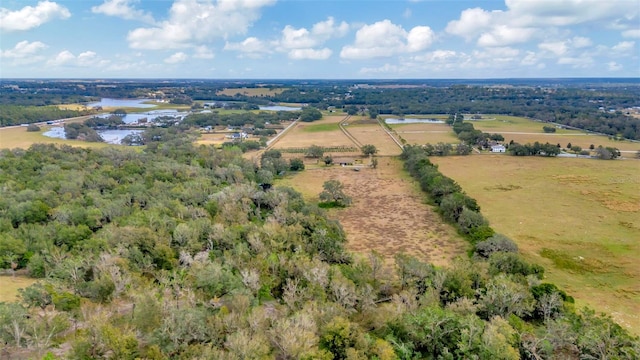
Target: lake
{"type": "Point", "coordinates": [412, 121]}
{"type": "Point", "coordinates": [134, 118]}
{"type": "Point", "coordinates": [135, 103]}
{"type": "Point", "coordinates": [280, 108]}
{"type": "Point", "coordinates": [109, 136]}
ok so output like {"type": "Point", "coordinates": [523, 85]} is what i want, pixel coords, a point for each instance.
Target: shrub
{"type": "Point", "coordinates": [495, 243]}
{"type": "Point", "coordinates": [510, 263]}
{"type": "Point", "coordinates": [33, 128]}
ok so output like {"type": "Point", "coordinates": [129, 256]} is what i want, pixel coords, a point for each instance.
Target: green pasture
{"type": "Point", "coordinates": [580, 218]}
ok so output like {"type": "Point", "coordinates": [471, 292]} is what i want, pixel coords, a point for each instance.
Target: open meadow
{"type": "Point", "coordinates": [579, 218]}
{"type": "Point", "coordinates": [19, 137]}
{"type": "Point", "coordinates": [9, 286]}
{"type": "Point", "coordinates": [424, 133]}
{"type": "Point", "coordinates": [388, 213]}
{"type": "Point", "coordinates": [373, 133]}
{"type": "Point", "coordinates": [325, 132]}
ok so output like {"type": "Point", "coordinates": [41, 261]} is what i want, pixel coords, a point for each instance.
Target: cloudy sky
{"type": "Point", "coordinates": [332, 39]}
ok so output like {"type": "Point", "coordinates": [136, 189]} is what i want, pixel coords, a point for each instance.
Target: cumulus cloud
{"type": "Point", "coordinates": [251, 47]}
{"type": "Point", "coordinates": [203, 52]}
{"type": "Point", "coordinates": [632, 33]}
{"type": "Point", "coordinates": [193, 22]}
{"type": "Point", "coordinates": [525, 19]}
{"type": "Point", "coordinates": [384, 38]}
{"type": "Point", "coordinates": [176, 58]}
{"type": "Point", "coordinates": [30, 17]}
{"type": "Point", "coordinates": [123, 9]}
{"type": "Point", "coordinates": [623, 46]}
{"type": "Point", "coordinates": [84, 59]}
{"type": "Point", "coordinates": [23, 49]}
{"type": "Point", "coordinates": [310, 54]}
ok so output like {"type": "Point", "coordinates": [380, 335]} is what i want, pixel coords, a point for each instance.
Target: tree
{"type": "Point", "coordinates": [33, 128]}
{"type": "Point", "coordinates": [310, 114]}
{"type": "Point", "coordinates": [296, 164]}
{"type": "Point", "coordinates": [369, 149]}
{"type": "Point", "coordinates": [549, 129]}
{"type": "Point", "coordinates": [328, 160]}
{"type": "Point", "coordinates": [569, 146]}
{"type": "Point", "coordinates": [333, 193]}
{"type": "Point", "coordinates": [576, 149]}
{"type": "Point", "coordinates": [315, 151]}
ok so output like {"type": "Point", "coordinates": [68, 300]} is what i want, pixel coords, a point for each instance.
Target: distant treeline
{"type": "Point", "coordinates": [15, 115]}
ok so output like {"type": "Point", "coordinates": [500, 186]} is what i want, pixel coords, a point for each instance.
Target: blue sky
{"type": "Point", "coordinates": [305, 39]}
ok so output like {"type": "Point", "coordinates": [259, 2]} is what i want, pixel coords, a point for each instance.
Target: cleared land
{"type": "Point", "coordinates": [9, 286]}
{"type": "Point", "coordinates": [373, 133]}
{"type": "Point", "coordinates": [323, 132]}
{"type": "Point", "coordinates": [260, 91]}
{"type": "Point", "coordinates": [425, 133]}
{"type": "Point", "coordinates": [388, 214]}
{"type": "Point", "coordinates": [580, 218]}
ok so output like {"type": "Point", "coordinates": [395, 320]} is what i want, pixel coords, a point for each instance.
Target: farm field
{"type": "Point", "coordinates": [388, 213]}
{"type": "Point", "coordinates": [374, 134]}
{"type": "Point", "coordinates": [425, 133]}
{"type": "Point", "coordinates": [579, 218]}
{"type": "Point", "coordinates": [307, 134]}
{"type": "Point", "coordinates": [9, 286]}
{"type": "Point", "coordinates": [628, 149]}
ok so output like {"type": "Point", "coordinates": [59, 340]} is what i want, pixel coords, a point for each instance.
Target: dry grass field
{"type": "Point", "coordinates": [9, 286]}
{"type": "Point", "coordinates": [388, 214]}
{"type": "Point", "coordinates": [374, 134]}
{"type": "Point", "coordinates": [18, 137]}
{"type": "Point", "coordinates": [580, 218]}
{"type": "Point", "coordinates": [211, 139]}
{"type": "Point", "coordinates": [305, 134]}
{"type": "Point", "coordinates": [259, 91]}
{"type": "Point", "coordinates": [425, 133]}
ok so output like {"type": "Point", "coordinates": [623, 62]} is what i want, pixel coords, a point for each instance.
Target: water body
{"type": "Point", "coordinates": [412, 121]}
{"type": "Point", "coordinates": [109, 136]}
{"type": "Point", "coordinates": [135, 118]}
{"type": "Point", "coordinates": [136, 103]}
{"type": "Point", "coordinates": [280, 108]}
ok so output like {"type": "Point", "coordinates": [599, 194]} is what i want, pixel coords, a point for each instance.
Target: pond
{"type": "Point", "coordinates": [412, 121]}
{"type": "Point", "coordinates": [280, 108]}
{"type": "Point", "coordinates": [109, 136]}
{"type": "Point", "coordinates": [135, 103]}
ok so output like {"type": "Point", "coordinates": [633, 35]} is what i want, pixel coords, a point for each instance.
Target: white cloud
{"type": "Point", "coordinates": [62, 58]}
{"type": "Point", "coordinates": [198, 21]}
{"type": "Point", "coordinates": [176, 58]}
{"type": "Point", "coordinates": [525, 19]}
{"type": "Point", "coordinates": [576, 62]}
{"type": "Point", "coordinates": [251, 47]}
{"type": "Point", "coordinates": [123, 9]}
{"type": "Point", "coordinates": [203, 52]}
{"type": "Point", "coordinates": [384, 38]}
{"type": "Point", "coordinates": [556, 47]}
{"type": "Point", "coordinates": [30, 17]}
{"type": "Point", "coordinates": [623, 46]}
{"type": "Point", "coordinates": [614, 66]}
{"type": "Point", "coordinates": [310, 54]}
{"type": "Point", "coordinates": [471, 23]}
{"type": "Point", "coordinates": [84, 59]}
{"type": "Point", "coordinates": [23, 49]}
{"type": "Point", "coordinates": [632, 33]}
{"type": "Point", "coordinates": [581, 42]}
{"type": "Point", "coordinates": [328, 29]}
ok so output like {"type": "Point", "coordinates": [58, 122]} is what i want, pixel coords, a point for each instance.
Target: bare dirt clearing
{"type": "Point", "coordinates": [388, 214]}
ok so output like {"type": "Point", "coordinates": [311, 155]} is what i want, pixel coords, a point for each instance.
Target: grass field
{"type": "Point", "coordinates": [580, 218]}
{"type": "Point", "coordinates": [18, 137]}
{"type": "Point", "coordinates": [260, 91]}
{"type": "Point", "coordinates": [425, 133]}
{"type": "Point", "coordinates": [388, 213]}
{"type": "Point", "coordinates": [374, 134]}
{"type": "Point", "coordinates": [9, 286]}
{"type": "Point", "coordinates": [324, 132]}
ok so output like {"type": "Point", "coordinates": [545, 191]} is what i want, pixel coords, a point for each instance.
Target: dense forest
{"type": "Point", "coordinates": [176, 252]}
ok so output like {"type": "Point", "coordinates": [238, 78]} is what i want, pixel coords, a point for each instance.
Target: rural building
{"type": "Point", "coordinates": [498, 148]}
{"type": "Point", "coordinates": [344, 161]}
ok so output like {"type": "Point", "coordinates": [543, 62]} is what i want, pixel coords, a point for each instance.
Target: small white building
{"type": "Point", "coordinates": [498, 148]}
